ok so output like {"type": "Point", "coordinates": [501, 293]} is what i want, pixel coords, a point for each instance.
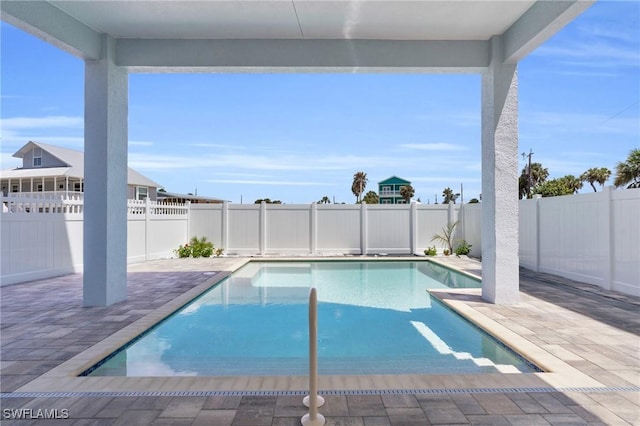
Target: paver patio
{"type": "Point", "coordinates": [590, 336]}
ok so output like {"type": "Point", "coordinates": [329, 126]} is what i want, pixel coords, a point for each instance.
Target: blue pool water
{"type": "Point", "coordinates": [373, 318]}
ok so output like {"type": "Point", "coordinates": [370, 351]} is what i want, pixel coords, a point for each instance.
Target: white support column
{"type": "Point", "coordinates": [105, 198]}
{"type": "Point", "coordinates": [500, 273]}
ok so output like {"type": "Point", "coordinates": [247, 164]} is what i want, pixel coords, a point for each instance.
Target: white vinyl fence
{"type": "Point", "coordinates": [593, 238]}
{"type": "Point", "coordinates": [319, 229]}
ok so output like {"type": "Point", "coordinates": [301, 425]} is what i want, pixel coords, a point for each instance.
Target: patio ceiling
{"type": "Point", "coordinates": [287, 35]}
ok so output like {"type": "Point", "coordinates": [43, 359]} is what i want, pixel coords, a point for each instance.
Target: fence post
{"type": "Point", "coordinates": [313, 224]}
{"type": "Point", "coordinates": [413, 220]}
{"type": "Point", "coordinates": [363, 229]}
{"type": "Point", "coordinates": [536, 224]}
{"type": "Point", "coordinates": [263, 228]}
{"type": "Point", "coordinates": [188, 204]}
{"type": "Point", "coordinates": [224, 232]}
{"type": "Point", "coordinates": [609, 244]}
{"type": "Point", "coordinates": [450, 213]}
{"type": "Point", "coordinates": [147, 221]}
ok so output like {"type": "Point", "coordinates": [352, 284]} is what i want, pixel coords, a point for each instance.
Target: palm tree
{"type": "Point", "coordinates": [407, 193]}
{"type": "Point", "coordinates": [594, 174]}
{"type": "Point", "coordinates": [447, 236]}
{"type": "Point", "coordinates": [359, 184]}
{"type": "Point", "coordinates": [572, 183]}
{"type": "Point", "coordinates": [629, 171]}
{"type": "Point", "coordinates": [448, 195]}
{"type": "Point", "coordinates": [538, 175]}
{"type": "Point", "coordinates": [371, 198]}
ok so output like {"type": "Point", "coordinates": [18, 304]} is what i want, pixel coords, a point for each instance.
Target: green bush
{"type": "Point", "coordinates": [198, 248]}
{"type": "Point", "coordinates": [183, 251]}
{"type": "Point", "coordinates": [430, 251]}
{"type": "Point", "coordinates": [463, 248]}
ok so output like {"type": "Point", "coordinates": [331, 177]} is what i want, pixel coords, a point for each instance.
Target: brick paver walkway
{"type": "Point", "coordinates": [44, 324]}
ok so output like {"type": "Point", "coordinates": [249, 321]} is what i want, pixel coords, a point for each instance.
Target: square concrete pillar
{"type": "Point", "coordinates": [500, 263]}
{"type": "Point", "coordinates": [105, 171]}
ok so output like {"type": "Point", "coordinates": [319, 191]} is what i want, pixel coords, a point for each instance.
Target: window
{"type": "Point", "coordinates": [78, 186]}
{"type": "Point", "coordinates": [142, 192]}
{"type": "Point", "coordinates": [39, 187]}
{"type": "Point", "coordinates": [37, 157]}
{"type": "Point", "coordinates": [14, 188]}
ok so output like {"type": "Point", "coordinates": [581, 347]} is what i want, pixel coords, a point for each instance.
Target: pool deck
{"type": "Point", "coordinates": [586, 339]}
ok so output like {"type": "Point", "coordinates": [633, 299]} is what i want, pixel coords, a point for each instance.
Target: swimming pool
{"type": "Point", "coordinates": [373, 318]}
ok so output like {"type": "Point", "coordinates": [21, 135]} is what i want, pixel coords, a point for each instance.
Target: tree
{"type": "Point", "coordinates": [371, 198]}
{"type": "Point", "coordinates": [447, 236]}
{"type": "Point", "coordinates": [565, 185]}
{"type": "Point", "coordinates": [594, 174]}
{"type": "Point", "coordinates": [324, 200]}
{"type": "Point", "coordinates": [474, 201]}
{"type": "Point", "coordinates": [628, 172]}
{"type": "Point", "coordinates": [572, 183]}
{"type": "Point", "coordinates": [359, 184]}
{"type": "Point", "coordinates": [448, 195]}
{"type": "Point", "coordinates": [407, 192]}
{"type": "Point", "coordinates": [539, 174]}
{"type": "Point", "coordinates": [267, 201]}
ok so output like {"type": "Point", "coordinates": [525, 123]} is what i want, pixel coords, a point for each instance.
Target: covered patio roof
{"type": "Point", "coordinates": [116, 38]}
{"type": "Point", "coordinates": [296, 35]}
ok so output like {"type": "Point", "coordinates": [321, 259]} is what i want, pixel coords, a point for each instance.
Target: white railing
{"type": "Point", "coordinates": [67, 204]}
{"type": "Point", "coordinates": [142, 207]}
{"type": "Point", "coordinates": [46, 195]}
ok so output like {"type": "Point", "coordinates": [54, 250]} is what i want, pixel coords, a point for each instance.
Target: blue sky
{"type": "Point", "coordinates": [299, 137]}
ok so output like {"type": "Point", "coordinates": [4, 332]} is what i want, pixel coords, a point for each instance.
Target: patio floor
{"type": "Point", "coordinates": [586, 338]}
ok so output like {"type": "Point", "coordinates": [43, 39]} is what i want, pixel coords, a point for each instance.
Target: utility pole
{"type": "Point", "coordinates": [524, 155]}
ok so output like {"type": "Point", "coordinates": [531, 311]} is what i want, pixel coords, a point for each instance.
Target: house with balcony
{"type": "Point", "coordinates": [389, 190]}
{"type": "Point", "coordinates": [50, 171]}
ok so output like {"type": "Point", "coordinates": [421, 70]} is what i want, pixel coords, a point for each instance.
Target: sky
{"type": "Point", "coordinates": [300, 137]}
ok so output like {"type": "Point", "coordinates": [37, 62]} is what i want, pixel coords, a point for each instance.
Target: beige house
{"type": "Point", "coordinates": [50, 171]}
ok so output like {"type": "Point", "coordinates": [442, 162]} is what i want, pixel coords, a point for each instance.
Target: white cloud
{"type": "Point", "coordinates": [440, 146]}
{"type": "Point", "coordinates": [53, 121]}
{"type": "Point", "coordinates": [592, 54]}
{"type": "Point", "coordinates": [266, 182]}
{"type": "Point", "coordinates": [570, 122]}
{"type": "Point", "coordinates": [140, 143]}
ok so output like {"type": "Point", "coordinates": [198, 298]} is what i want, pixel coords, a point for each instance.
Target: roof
{"type": "Point", "coordinates": [295, 35]}
{"type": "Point", "coordinates": [73, 158]}
{"type": "Point", "coordinates": [394, 180]}
{"type": "Point", "coordinates": [166, 194]}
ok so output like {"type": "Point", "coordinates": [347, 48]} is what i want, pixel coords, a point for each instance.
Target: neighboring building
{"type": "Point", "coordinates": [389, 190]}
{"type": "Point", "coordinates": [55, 170]}
{"type": "Point", "coordinates": [172, 197]}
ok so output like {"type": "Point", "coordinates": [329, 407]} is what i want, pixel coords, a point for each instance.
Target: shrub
{"type": "Point", "coordinates": [430, 251]}
{"type": "Point", "coordinates": [198, 248]}
{"type": "Point", "coordinates": [183, 251]}
{"type": "Point", "coordinates": [463, 248]}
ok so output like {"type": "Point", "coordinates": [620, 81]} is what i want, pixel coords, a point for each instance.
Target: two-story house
{"type": "Point", "coordinates": [50, 171]}
{"type": "Point", "coordinates": [389, 190]}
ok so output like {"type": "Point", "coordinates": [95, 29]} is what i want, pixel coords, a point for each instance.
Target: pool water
{"type": "Point", "coordinates": [373, 318]}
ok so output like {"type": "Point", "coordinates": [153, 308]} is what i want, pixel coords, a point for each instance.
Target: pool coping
{"type": "Point", "coordinates": [557, 374]}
